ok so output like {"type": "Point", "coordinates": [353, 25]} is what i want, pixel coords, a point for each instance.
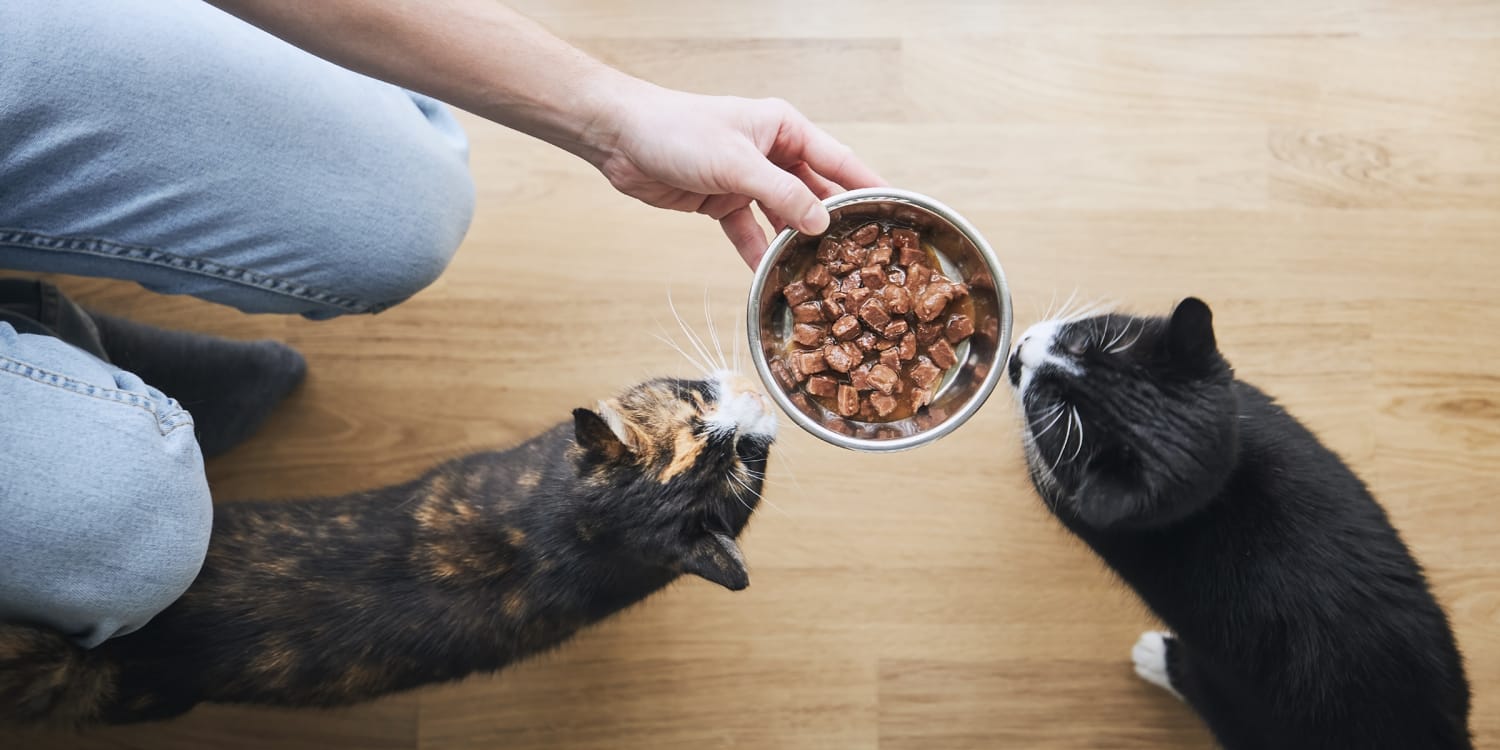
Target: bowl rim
{"type": "Point", "coordinates": [970, 406]}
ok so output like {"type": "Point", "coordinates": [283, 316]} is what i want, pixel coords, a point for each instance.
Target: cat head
{"type": "Point", "coordinates": [1130, 421]}
{"type": "Point", "coordinates": [676, 468]}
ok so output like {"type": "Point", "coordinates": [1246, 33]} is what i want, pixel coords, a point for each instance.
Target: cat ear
{"type": "Point", "coordinates": [595, 435]}
{"type": "Point", "coordinates": [716, 557]}
{"type": "Point", "coordinates": [1190, 333]}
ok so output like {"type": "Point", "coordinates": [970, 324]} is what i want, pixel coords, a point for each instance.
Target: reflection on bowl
{"type": "Point", "coordinates": [962, 254]}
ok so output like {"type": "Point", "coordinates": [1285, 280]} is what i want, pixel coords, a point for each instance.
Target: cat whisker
{"type": "Point", "coordinates": [1067, 436]}
{"type": "Point", "coordinates": [1126, 346]}
{"type": "Point", "coordinates": [1110, 346]}
{"type": "Point", "coordinates": [691, 335]}
{"type": "Point", "coordinates": [1076, 418]}
{"type": "Point", "coordinates": [713, 331]}
{"type": "Point", "coordinates": [1088, 310]}
{"type": "Point", "coordinates": [669, 342]}
{"type": "Point", "coordinates": [1061, 313]}
{"type": "Point", "coordinates": [786, 462]}
{"type": "Point", "coordinates": [761, 496]}
{"type": "Point", "coordinates": [1050, 425]}
{"type": "Point", "coordinates": [734, 491]}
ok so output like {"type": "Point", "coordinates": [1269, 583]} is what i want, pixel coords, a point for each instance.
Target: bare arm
{"type": "Point", "coordinates": [712, 155]}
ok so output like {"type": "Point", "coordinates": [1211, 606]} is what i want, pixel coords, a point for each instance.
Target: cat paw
{"type": "Point", "coordinates": [1150, 657]}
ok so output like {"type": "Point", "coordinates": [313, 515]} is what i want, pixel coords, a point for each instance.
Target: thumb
{"type": "Point", "coordinates": [781, 192]}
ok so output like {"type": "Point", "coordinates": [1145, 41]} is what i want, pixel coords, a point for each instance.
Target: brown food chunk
{"type": "Point", "coordinates": [920, 397]}
{"type": "Point", "coordinates": [858, 297]}
{"type": "Point", "coordinates": [932, 301]}
{"type": "Point", "coordinates": [872, 276]}
{"type": "Point", "coordinates": [822, 385]}
{"type": "Point", "coordinates": [883, 404]}
{"type": "Point", "coordinates": [807, 334]}
{"type": "Point", "coordinates": [896, 329]}
{"type": "Point", "coordinates": [883, 344]}
{"type": "Point", "coordinates": [883, 379]}
{"type": "Point", "coordinates": [911, 256]}
{"type": "Point", "coordinates": [866, 234]}
{"type": "Point", "coordinates": [960, 289]}
{"type": "Point", "coordinates": [859, 377]}
{"type": "Point", "coordinates": [838, 359]}
{"type": "Point", "coordinates": [856, 254]}
{"type": "Point", "coordinates": [917, 276]}
{"type": "Point", "coordinates": [846, 328]}
{"type": "Point", "coordinates": [800, 401]}
{"type": "Point", "coordinates": [924, 373]}
{"type": "Point", "coordinates": [818, 276]}
{"type": "Point", "coordinates": [833, 307]}
{"type": "Point", "coordinates": [959, 327]}
{"type": "Point", "coordinates": [908, 347]}
{"type": "Point", "coordinates": [866, 341]}
{"type": "Point", "coordinates": [839, 268]}
{"type": "Point", "coordinates": [897, 299]}
{"type": "Point", "coordinates": [891, 358]}
{"type": "Point", "coordinates": [942, 354]}
{"type": "Point", "coordinates": [808, 363]}
{"type": "Point", "coordinates": [896, 275]}
{"type": "Point", "coordinates": [783, 374]}
{"type": "Point", "coordinates": [882, 254]}
{"type": "Point", "coordinates": [797, 292]}
{"type": "Point", "coordinates": [851, 282]}
{"type": "Point", "coordinates": [828, 249]}
{"type": "Point", "coordinates": [848, 401]}
{"type": "Point", "coordinates": [902, 237]}
{"type": "Point", "coordinates": [873, 313]}
{"type": "Point", "coordinates": [928, 333]}
{"type": "Point", "coordinates": [855, 353]}
{"type": "Point", "coordinates": [807, 312]}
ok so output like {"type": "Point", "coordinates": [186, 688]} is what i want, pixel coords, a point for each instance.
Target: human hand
{"type": "Point", "coordinates": [715, 155]}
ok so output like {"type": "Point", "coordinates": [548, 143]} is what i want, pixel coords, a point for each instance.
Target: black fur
{"type": "Point", "coordinates": [1301, 619]}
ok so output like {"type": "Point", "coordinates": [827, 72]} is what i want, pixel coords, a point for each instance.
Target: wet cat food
{"type": "Point", "coordinates": [875, 327]}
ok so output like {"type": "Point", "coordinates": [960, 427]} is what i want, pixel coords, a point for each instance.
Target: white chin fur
{"type": "Point", "coordinates": [741, 409]}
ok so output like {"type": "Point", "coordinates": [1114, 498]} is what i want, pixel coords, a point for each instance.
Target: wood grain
{"type": "Point", "coordinates": [1326, 175]}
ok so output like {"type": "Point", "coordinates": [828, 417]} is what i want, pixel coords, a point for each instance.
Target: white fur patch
{"type": "Point", "coordinates": [1150, 657]}
{"type": "Point", "coordinates": [1036, 351]}
{"type": "Point", "coordinates": [741, 408]}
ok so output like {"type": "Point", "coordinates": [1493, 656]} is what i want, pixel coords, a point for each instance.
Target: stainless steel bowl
{"type": "Point", "coordinates": [963, 254]}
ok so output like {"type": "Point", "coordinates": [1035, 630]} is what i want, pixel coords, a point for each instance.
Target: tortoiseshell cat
{"type": "Point", "coordinates": [482, 561]}
{"type": "Point", "coordinates": [1300, 620]}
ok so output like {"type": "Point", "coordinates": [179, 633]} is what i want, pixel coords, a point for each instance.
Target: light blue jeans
{"type": "Point", "coordinates": [168, 143]}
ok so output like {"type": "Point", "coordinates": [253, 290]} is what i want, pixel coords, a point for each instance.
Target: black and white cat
{"type": "Point", "coordinates": [1299, 619]}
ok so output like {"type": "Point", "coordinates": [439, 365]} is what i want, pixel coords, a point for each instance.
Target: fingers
{"type": "Point", "coordinates": [834, 160]}
{"type": "Point", "coordinates": [746, 234]}
{"type": "Point", "coordinates": [780, 192]}
{"type": "Point", "coordinates": [814, 181]}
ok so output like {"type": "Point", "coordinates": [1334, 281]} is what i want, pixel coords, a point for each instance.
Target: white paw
{"type": "Point", "coordinates": [1150, 657]}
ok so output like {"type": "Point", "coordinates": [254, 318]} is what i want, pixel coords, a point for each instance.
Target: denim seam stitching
{"type": "Point", "coordinates": [179, 417]}
{"type": "Point", "coordinates": [152, 256]}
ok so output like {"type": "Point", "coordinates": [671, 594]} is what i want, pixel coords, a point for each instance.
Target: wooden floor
{"type": "Point", "coordinates": [1326, 175]}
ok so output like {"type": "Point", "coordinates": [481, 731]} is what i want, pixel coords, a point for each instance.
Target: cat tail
{"type": "Point", "coordinates": [45, 678]}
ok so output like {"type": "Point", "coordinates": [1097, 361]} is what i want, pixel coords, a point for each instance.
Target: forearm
{"type": "Point", "coordinates": [476, 54]}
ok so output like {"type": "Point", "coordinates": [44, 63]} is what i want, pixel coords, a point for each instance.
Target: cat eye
{"type": "Point", "coordinates": [1077, 345]}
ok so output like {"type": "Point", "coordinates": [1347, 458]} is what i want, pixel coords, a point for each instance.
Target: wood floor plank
{"type": "Point", "coordinates": [1325, 175]}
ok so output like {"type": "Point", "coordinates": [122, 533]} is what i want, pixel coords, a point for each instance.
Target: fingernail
{"type": "Point", "coordinates": [815, 221]}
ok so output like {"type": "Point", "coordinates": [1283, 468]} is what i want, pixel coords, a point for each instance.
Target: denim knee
{"type": "Point", "coordinates": [419, 228]}
{"type": "Point", "coordinates": [107, 508]}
